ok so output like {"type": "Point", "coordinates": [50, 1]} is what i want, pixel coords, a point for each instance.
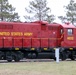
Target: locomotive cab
{"type": "Point", "coordinates": [69, 36]}
{"type": "Point", "coordinates": [68, 43]}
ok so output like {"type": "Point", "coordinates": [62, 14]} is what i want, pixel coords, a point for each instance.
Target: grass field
{"type": "Point", "coordinates": [38, 68]}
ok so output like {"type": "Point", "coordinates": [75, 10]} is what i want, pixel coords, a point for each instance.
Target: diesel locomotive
{"type": "Point", "coordinates": [37, 39]}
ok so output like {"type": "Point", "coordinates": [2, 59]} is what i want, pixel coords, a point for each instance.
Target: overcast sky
{"type": "Point", "coordinates": [55, 5]}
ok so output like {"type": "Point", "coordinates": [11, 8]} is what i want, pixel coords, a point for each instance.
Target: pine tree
{"type": "Point", "coordinates": [70, 12]}
{"type": "Point", "coordinates": [38, 10]}
{"type": "Point", "coordinates": [62, 18]}
{"type": "Point", "coordinates": [7, 12]}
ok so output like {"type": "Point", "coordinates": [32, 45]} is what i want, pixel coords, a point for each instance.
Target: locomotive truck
{"type": "Point", "coordinates": [37, 39]}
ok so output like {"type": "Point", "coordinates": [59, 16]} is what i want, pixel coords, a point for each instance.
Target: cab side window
{"type": "Point", "coordinates": [70, 31]}
{"type": "Point", "coordinates": [61, 31]}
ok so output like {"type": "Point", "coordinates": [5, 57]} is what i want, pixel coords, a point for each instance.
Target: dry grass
{"type": "Point", "coordinates": [38, 68]}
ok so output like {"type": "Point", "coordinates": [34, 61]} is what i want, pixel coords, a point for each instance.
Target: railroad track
{"type": "Point", "coordinates": [32, 60]}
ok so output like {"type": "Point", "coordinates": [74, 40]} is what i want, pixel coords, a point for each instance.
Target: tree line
{"type": "Point", "coordinates": [37, 10]}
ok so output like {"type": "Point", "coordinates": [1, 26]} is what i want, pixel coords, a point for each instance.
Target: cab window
{"type": "Point", "coordinates": [61, 31]}
{"type": "Point", "coordinates": [70, 31]}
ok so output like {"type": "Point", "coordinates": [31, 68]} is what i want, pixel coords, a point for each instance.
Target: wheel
{"type": "Point", "coordinates": [9, 56]}
{"type": "Point", "coordinates": [9, 60]}
{"type": "Point", "coordinates": [17, 60]}
{"type": "Point", "coordinates": [55, 58]}
{"type": "Point", "coordinates": [32, 55]}
{"type": "Point", "coordinates": [72, 57]}
{"type": "Point", "coordinates": [63, 56]}
{"type": "Point", "coordinates": [18, 56]}
{"type": "Point", "coordinates": [1, 55]}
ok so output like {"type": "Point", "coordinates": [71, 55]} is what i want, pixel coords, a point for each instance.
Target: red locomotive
{"type": "Point", "coordinates": [36, 40]}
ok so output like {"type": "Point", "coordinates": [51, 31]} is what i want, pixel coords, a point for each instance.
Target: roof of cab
{"type": "Point", "coordinates": [68, 25]}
